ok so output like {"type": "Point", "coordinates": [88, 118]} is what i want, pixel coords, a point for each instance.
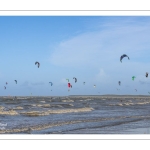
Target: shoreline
{"type": "Point", "coordinates": [105, 95]}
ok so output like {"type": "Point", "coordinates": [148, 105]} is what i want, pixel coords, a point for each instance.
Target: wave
{"type": "Point", "coordinates": [10, 112]}
{"type": "Point", "coordinates": [43, 113]}
{"type": "Point", "coordinates": [79, 124]}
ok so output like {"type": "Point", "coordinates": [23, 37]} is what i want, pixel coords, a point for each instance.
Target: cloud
{"type": "Point", "coordinates": [98, 53]}
{"type": "Point", "coordinates": [101, 76]}
{"type": "Point", "coordinates": [103, 47]}
{"type": "Point", "coordinates": [76, 51]}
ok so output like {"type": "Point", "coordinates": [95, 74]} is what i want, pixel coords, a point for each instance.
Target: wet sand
{"type": "Point", "coordinates": [82, 114]}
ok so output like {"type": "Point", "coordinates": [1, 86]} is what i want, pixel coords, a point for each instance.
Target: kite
{"type": "Point", "coordinates": [51, 83]}
{"type": "Point", "coordinates": [69, 85]}
{"type": "Point", "coordinates": [75, 79]}
{"type": "Point", "coordinates": [67, 79]}
{"type": "Point", "coordinates": [124, 55]}
{"type": "Point", "coordinates": [133, 78]}
{"type": "Point", "coordinates": [37, 63]}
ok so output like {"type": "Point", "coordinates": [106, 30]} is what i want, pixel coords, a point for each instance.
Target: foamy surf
{"type": "Point", "coordinates": [73, 114]}
{"type": "Point", "coordinates": [42, 113]}
{"type": "Point", "coordinates": [10, 112]}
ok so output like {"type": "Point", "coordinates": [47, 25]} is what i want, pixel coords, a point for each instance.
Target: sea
{"type": "Point", "coordinates": [75, 114]}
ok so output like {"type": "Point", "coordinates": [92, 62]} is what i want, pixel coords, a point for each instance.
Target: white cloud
{"type": "Point", "coordinates": [76, 51]}
{"type": "Point", "coordinates": [98, 54]}
{"type": "Point", "coordinates": [102, 76]}
{"type": "Point", "coordinates": [99, 47]}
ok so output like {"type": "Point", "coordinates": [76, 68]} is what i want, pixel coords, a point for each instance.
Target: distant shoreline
{"type": "Point", "coordinates": [112, 95]}
{"type": "Point", "coordinates": [100, 96]}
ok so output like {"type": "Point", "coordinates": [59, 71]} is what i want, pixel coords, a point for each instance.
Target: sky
{"type": "Point", "coordinates": [85, 47]}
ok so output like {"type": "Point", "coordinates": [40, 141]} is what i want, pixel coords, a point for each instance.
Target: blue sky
{"type": "Point", "coordinates": [85, 47]}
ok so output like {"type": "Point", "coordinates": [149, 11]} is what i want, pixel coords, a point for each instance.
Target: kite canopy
{"type": "Point", "coordinates": [133, 77]}
{"type": "Point", "coordinates": [4, 87]}
{"type": "Point", "coordinates": [124, 55]}
{"type": "Point", "coordinates": [69, 85]}
{"type": "Point", "coordinates": [119, 82]}
{"type": "Point", "coordinates": [94, 85]}
{"type": "Point", "coordinates": [146, 74]}
{"type": "Point", "coordinates": [51, 83]}
{"type": "Point", "coordinates": [75, 79]}
{"type": "Point", "coordinates": [67, 80]}
{"type": "Point", "coordinates": [84, 83]}
{"type": "Point", "coordinates": [15, 81]}
{"type": "Point", "coordinates": [37, 63]}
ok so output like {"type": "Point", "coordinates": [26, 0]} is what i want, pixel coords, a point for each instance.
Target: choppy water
{"type": "Point", "coordinates": [75, 115]}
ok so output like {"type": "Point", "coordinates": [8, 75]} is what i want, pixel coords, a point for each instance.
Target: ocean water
{"type": "Point", "coordinates": [75, 115]}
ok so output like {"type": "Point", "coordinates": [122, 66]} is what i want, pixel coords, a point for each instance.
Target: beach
{"type": "Point", "coordinates": [75, 114]}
